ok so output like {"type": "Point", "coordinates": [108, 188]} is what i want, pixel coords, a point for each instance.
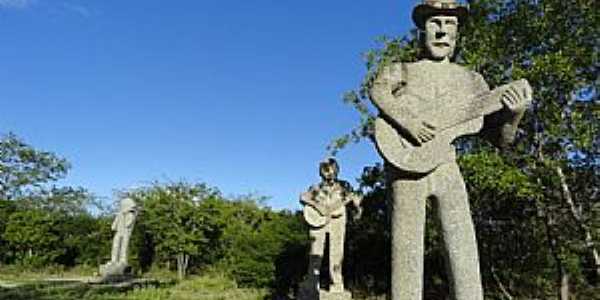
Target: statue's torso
{"type": "Point", "coordinates": [123, 223]}
{"type": "Point", "coordinates": [332, 196]}
{"type": "Point", "coordinates": [434, 91]}
{"type": "Point", "coordinates": [439, 88]}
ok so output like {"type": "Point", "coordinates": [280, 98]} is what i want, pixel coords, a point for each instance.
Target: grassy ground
{"type": "Point", "coordinates": [18, 283]}
{"type": "Point", "coordinates": [36, 286]}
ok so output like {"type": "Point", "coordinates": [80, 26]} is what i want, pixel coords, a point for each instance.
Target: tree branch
{"type": "Point", "coordinates": [576, 214]}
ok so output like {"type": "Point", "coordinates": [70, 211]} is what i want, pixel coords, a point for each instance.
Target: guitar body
{"type": "Point", "coordinates": [313, 217]}
{"type": "Point", "coordinates": [402, 154]}
{"type": "Point", "coordinates": [451, 97]}
{"type": "Point", "coordinates": [333, 203]}
{"type": "Point", "coordinates": [455, 122]}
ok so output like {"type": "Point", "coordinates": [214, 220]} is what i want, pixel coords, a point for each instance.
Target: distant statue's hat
{"type": "Point", "coordinates": [438, 7]}
{"type": "Point", "coordinates": [128, 204]}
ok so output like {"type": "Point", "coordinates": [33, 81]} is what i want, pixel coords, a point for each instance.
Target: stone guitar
{"type": "Point", "coordinates": [407, 156]}
{"type": "Point", "coordinates": [319, 218]}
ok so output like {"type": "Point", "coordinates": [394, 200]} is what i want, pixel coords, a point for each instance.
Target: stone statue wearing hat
{"type": "Point", "coordinates": [325, 212]}
{"type": "Point", "coordinates": [423, 107]}
{"type": "Point", "coordinates": [123, 227]}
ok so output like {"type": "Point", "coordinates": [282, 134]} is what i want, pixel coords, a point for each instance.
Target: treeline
{"type": "Point", "coordinates": [182, 227]}
{"type": "Point", "coordinates": [174, 231]}
{"type": "Point", "coordinates": [190, 228]}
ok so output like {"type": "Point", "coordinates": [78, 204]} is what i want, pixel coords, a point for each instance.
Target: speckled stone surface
{"type": "Point", "coordinates": [343, 295]}
{"type": "Point", "coordinates": [424, 106]}
{"type": "Point", "coordinates": [123, 227]}
{"type": "Point", "coordinates": [325, 212]}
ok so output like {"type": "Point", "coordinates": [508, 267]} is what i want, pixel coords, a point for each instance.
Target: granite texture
{"type": "Point", "coordinates": [123, 227]}
{"type": "Point", "coordinates": [325, 212]}
{"type": "Point", "coordinates": [344, 295]}
{"type": "Point", "coordinates": [423, 107]}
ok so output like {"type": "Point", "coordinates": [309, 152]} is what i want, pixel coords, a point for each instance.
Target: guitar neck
{"type": "Point", "coordinates": [476, 107]}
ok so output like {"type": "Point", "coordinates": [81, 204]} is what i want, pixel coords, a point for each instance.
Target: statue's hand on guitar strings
{"type": "Point", "coordinates": [426, 132]}
{"type": "Point", "coordinates": [420, 131]}
{"type": "Point", "coordinates": [308, 198]}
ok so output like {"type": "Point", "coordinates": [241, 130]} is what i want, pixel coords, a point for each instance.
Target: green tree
{"type": "Point", "coordinates": [34, 237]}
{"type": "Point", "coordinates": [178, 228]}
{"type": "Point", "coordinates": [86, 239]}
{"type": "Point", "coordinates": [7, 208]}
{"type": "Point", "coordinates": [32, 207]}
{"type": "Point", "coordinates": [23, 168]}
{"type": "Point", "coordinates": [262, 247]}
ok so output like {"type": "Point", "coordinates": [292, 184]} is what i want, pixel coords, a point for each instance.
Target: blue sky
{"type": "Point", "coordinates": [242, 95]}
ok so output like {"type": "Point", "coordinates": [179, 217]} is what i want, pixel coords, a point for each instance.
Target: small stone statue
{"type": "Point", "coordinates": [122, 226]}
{"type": "Point", "coordinates": [325, 212]}
{"type": "Point", "coordinates": [423, 107]}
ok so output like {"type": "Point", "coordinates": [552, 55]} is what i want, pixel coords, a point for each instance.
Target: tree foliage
{"type": "Point", "coordinates": [41, 223]}
{"type": "Point", "coordinates": [171, 218]}
{"type": "Point", "coordinates": [23, 168]}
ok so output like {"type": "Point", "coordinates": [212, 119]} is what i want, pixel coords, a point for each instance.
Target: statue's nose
{"type": "Point", "coordinates": [440, 34]}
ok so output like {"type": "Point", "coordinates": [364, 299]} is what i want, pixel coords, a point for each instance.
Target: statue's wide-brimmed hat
{"type": "Point", "coordinates": [439, 7]}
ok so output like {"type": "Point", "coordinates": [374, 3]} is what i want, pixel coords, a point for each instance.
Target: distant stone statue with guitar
{"type": "Point", "coordinates": [423, 107]}
{"type": "Point", "coordinates": [325, 213]}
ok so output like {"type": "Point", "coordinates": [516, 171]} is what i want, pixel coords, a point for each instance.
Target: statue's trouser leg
{"type": "Point", "coordinates": [336, 252]}
{"type": "Point", "coordinates": [459, 234]}
{"type": "Point", "coordinates": [124, 247]}
{"type": "Point", "coordinates": [317, 248]}
{"type": "Point", "coordinates": [408, 228]}
{"type": "Point", "coordinates": [116, 248]}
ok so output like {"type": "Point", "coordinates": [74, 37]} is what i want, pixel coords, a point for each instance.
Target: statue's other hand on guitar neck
{"type": "Point", "coordinates": [357, 201]}
{"type": "Point", "coordinates": [517, 96]}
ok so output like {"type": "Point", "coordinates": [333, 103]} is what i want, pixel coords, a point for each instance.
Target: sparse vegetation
{"type": "Point", "coordinates": [208, 287]}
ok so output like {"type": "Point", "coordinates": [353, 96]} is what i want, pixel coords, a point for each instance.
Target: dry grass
{"type": "Point", "coordinates": [33, 285]}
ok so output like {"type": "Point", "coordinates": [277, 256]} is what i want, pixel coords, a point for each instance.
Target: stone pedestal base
{"type": "Point", "coordinates": [326, 295]}
{"type": "Point", "coordinates": [115, 272]}
{"type": "Point", "coordinates": [308, 291]}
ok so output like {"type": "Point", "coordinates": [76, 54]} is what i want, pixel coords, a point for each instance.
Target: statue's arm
{"type": "Point", "coordinates": [130, 218]}
{"type": "Point", "coordinates": [307, 198]}
{"type": "Point", "coordinates": [386, 93]}
{"type": "Point", "coordinates": [353, 196]}
{"type": "Point", "coordinates": [115, 222]}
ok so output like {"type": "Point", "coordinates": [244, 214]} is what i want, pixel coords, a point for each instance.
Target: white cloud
{"type": "Point", "coordinates": [77, 9]}
{"type": "Point", "coordinates": [16, 3]}
{"type": "Point", "coordinates": [51, 7]}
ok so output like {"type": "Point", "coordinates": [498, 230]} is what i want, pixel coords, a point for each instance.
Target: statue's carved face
{"type": "Point", "coordinates": [329, 171]}
{"type": "Point", "coordinates": [440, 36]}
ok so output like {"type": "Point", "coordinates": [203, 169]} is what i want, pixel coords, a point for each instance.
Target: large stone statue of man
{"type": "Point", "coordinates": [123, 227]}
{"type": "Point", "coordinates": [423, 107]}
{"type": "Point", "coordinates": [325, 212]}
